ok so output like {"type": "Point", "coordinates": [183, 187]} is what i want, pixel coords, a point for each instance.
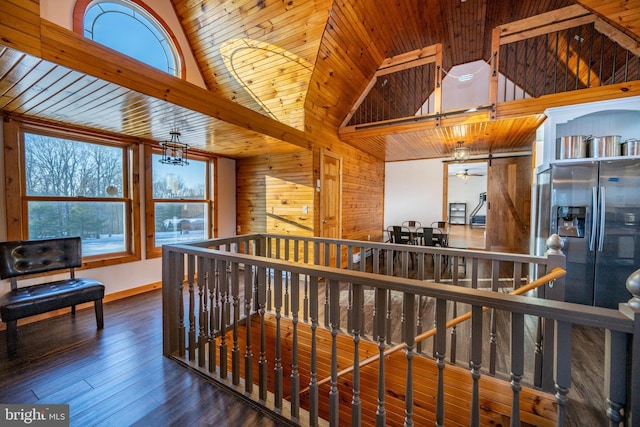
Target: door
{"type": "Point", "coordinates": [618, 243]}
{"type": "Point", "coordinates": [330, 195]}
{"type": "Point", "coordinates": [573, 218]}
{"type": "Point", "coordinates": [509, 204]}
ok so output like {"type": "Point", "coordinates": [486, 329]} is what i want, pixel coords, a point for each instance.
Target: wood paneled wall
{"type": "Point", "coordinates": [272, 192]}
{"type": "Point", "coordinates": [362, 196]}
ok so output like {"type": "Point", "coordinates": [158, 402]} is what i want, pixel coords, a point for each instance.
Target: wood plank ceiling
{"type": "Point", "coordinates": [291, 60]}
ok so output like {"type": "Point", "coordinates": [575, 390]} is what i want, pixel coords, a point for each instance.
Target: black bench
{"type": "Point", "coordinates": [29, 257]}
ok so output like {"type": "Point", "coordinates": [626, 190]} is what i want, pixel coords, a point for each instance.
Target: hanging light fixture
{"type": "Point", "coordinates": [460, 153]}
{"type": "Point", "coordinates": [463, 175]}
{"type": "Point", "coordinates": [174, 152]}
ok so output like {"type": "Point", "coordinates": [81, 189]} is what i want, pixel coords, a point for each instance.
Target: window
{"type": "Point", "coordinates": [178, 210]}
{"type": "Point", "coordinates": [72, 185]}
{"type": "Point", "coordinates": [128, 28]}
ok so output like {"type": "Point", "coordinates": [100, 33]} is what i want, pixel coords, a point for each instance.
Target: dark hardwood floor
{"type": "Point", "coordinates": [116, 376]}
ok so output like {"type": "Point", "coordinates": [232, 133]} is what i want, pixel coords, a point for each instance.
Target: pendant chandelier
{"type": "Point", "coordinates": [174, 152]}
{"type": "Point", "coordinates": [460, 153]}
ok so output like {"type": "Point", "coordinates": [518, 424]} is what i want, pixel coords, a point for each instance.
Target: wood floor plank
{"type": "Point", "coordinates": [116, 376]}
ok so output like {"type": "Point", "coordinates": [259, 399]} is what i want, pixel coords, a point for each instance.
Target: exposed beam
{"type": "Point", "coordinates": [58, 45]}
{"type": "Point", "coordinates": [618, 36]}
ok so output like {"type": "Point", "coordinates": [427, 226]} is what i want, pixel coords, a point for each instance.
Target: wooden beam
{"type": "Point", "coordinates": [405, 58]}
{"type": "Point", "coordinates": [63, 47]}
{"type": "Point", "coordinates": [547, 29]}
{"type": "Point", "coordinates": [618, 36]}
{"type": "Point", "coordinates": [437, 91]}
{"type": "Point", "coordinates": [531, 106]}
{"type": "Point", "coordinates": [20, 25]}
{"type": "Point", "coordinates": [405, 66]}
{"type": "Point", "coordinates": [543, 20]}
{"type": "Point", "coordinates": [412, 124]}
{"type": "Point", "coordinates": [361, 98]}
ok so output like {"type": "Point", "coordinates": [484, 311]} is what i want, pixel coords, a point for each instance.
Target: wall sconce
{"type": "Point", "coordinates": [174, 152]}
{"type": "Point", "coordinates": [460, 153]}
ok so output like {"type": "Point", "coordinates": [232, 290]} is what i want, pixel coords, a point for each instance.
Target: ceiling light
{"type": "Point", "coordinates": [460, 153]}
{"type": "Point", "coordinates": [463, 175]}
{"type": "Point", "coordinates": [174, 152]}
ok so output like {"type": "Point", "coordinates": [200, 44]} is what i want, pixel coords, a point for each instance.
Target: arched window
{"type": "Point", "coordinates": [130, 29]}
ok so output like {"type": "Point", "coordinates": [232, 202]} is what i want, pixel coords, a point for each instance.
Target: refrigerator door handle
{"type": "Point", "coordinates": [602, 219]}
{"type": "Point", "coordinates": [594, 222]}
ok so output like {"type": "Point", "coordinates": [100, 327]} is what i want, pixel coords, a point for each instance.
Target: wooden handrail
{"type": "Point", "coordinates": [555, 274]}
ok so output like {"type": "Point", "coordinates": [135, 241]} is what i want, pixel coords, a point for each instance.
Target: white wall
{"type": "Point", "coordinates": [61, 12]}
{"type": "Point", "coordinates": [413, 191]}
{"type": "Point", "coordinates": [468, 191]}
{"type": "Point", "coordinates": [226, 202]}
{"type": "Point", "coordinates": [467, 93]}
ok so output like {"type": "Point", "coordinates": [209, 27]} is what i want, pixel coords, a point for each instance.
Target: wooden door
{"type": "Point", "coordinates": [509, 204]}
{"type": "Point", "coordinates": [330, 195]}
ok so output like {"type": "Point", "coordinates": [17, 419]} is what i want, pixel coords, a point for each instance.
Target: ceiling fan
{"type": "Point", "coordinates": [465, 175]}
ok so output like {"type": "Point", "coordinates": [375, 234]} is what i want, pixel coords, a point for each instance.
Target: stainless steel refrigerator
{"type": "Point", "coordinates": [595, 208]}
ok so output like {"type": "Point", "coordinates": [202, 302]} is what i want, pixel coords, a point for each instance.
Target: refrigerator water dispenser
{"type": "Point", "coordinates": [570, 220]}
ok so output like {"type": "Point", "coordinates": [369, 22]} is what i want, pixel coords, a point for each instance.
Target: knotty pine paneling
{"type": "Point", "coordinates": [362, 184]}
{"type": "Point", "coordinates": [362, 196]}
{"type": "Point", "coordinates": [272, 192]}
{"type": "Point", "coordinates": [232, 39]}
{"type": "Point", "coordinates": [537, 408]}
{"type": "Point", "coordinates": [621, 14]}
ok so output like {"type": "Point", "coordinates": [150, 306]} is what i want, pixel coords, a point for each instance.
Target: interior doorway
{"type": "Point", "coordinates": [330, 199]}
{"type": "Point", "coordinates": [465, 207]}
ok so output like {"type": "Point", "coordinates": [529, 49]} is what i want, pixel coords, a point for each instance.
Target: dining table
{"type": "Point", "coordinates": [440, 237]}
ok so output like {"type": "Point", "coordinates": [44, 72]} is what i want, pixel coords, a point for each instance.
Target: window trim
{"type": "Point", "coordinates": [80, 8]}
{"type": "Point", "coordinates": [17, 200]}
{"type": "Point", "coordinates": [153, 251]}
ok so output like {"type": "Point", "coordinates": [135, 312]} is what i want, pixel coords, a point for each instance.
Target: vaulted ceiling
{"type": "Point", "coordinates": [295, 60]}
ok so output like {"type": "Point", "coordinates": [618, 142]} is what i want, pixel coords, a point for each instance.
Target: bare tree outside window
{"type": "Point", "coordinates": [179, 201]}
{"type": "Point", "coordinates": [75, 188]}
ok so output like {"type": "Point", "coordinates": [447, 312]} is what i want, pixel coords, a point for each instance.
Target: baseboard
{"type": "Point", "coordinates": [107, 298]}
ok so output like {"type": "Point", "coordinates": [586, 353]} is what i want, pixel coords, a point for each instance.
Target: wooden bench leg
{"type": "Point", "coordinates": [99, 316]}
{"type": "Point", "coordinates": [12, 337]}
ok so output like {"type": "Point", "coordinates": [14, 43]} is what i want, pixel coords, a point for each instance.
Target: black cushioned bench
{"type": "Point", "coordinates": [30, 257]}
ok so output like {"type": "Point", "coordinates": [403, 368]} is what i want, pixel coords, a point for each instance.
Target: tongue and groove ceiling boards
{"type": "Point", "coordinates": [275, 70]}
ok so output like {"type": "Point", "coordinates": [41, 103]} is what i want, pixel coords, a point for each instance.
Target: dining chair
{"type": "Point", "coordinates": [439, 224]}
{"type": "Point", "coordinates": [412, 225]}
{"type": "Point", "coordinates": [400, 235]}
{"type": "Point", "coordinates": [424, 236]}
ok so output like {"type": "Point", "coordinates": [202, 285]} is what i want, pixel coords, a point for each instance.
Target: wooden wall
{"type": "Point", "coordinates": [272, 191]}
{"type": "Point", "coordinates": [362, 195]}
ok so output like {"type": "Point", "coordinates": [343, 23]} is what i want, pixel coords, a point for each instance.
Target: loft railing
{"type": "Point", "coordinates": [214, 290]}
{"type": "Point", "coordinates": [561, 51]}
